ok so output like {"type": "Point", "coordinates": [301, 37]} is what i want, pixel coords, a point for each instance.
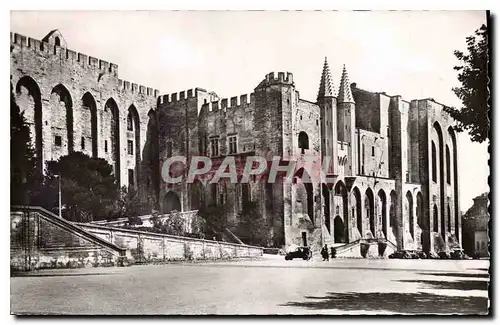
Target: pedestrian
{"type": "Point", "coordinates": [324, 253]}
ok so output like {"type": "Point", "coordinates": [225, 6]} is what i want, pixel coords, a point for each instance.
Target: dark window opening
{"type": "Point", "coordinates": [105, 145]}
{"type": "Point", "coordinates": [130, 124]}
{"type": "Point", "coordinates": [83, 143]}
{"type": "Point", "coordinates": [131, 177]}
{"type": "Point", "coordinates": [214, 145]}
{"type": "Point", "coordinates": [130, 147]}
{"type": "Point", "coordinates": [58, 41]}
{"type": "Point", "coordinates": [448, 170]}
{"type": "Point", "coordinates": [434, 163]}
{"type": "Point", "coordinates": [373, 150]}
{"type": "Point", "coordinates": [233, 145]}
{"type": "Point", "coordinates": [58, 141]}
{"type": "Point", "coordinates": [303, 141]}
{"type": "Point", "coordinates": [169, 149]}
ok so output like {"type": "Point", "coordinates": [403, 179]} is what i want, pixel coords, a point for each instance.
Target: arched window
{"type": "Point", "coordinates": [58, 41]}
{"type": "Point", "coordinates": [434, 163]}
{"type": "Point", "coordinates": [303, 141]}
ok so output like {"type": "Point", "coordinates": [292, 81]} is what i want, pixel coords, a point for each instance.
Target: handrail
{"type": "Point", "coordinates": [67, 225]}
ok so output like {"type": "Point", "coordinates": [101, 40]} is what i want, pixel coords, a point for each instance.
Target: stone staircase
{"type": "Point", "coordinates": [366, 248]}
{"type": "Point", "coordinates": [41, 239]}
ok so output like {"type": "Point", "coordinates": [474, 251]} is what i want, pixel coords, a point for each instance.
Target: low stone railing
{"type": "Point", "coordinates": [148, 247]}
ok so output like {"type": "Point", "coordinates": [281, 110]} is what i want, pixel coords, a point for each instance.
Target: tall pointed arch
{"type": "Point", "coordinates": [112, 119]}
{"type": "Point", "coordinates": [62, 118]}
{"type": "Point", "coordinates": [29, 100]}
{"type": "Point", "coordinates": [89, 103]}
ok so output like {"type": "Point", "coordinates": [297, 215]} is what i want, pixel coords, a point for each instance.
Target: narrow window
{"type": "Point", "coordinates": [131, 177]}
{"type": "Point", "coordinates": [448, 170]}
{"type": "Point", "coordinates": [58, 141]}
{"type": "Point", "coordinates": [169, 149]}
{"type": "Point", "coordinates": [233, 145]}
{"type": "Point", "coordinates": [434, 163]}
{"type": "Point", "coordinates": [214, 145]}
{"type": "Point", "coordinates": [363, 159]}
{"type": "Point", "coordinates": [58, 41]}
{"type": "Point", "coordinates": [130, 124]}
{"type": "Point", "coordinates": [105, 145]}
{"type": "Point", "coordinates": [130, 147]}
{"type": "Point", "coordinates": [373, 151]}
{"type": "Point", "coordinates": [83, 143]}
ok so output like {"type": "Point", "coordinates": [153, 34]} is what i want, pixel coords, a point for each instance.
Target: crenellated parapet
{"type": "Point", "coordinates": [134, 88]}
{"type": "Point", "coordinates": [50, 50]}
{"type": "Point", "coordinates": [236, 102]}
{"type": "Point", "coordinates": [180, 96]}
{"type": "Point", "coordinates": [281, 78]}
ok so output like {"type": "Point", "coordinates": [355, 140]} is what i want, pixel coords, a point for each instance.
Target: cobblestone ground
{"type": "Point", "coordinates": [267, 286]}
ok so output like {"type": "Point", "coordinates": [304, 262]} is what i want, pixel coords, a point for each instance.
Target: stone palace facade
{"type": "Point", "coordinates": [394, 162]}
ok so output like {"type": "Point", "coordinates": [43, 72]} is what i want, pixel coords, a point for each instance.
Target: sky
{"type": "Point", "coordinates": [397, 52]}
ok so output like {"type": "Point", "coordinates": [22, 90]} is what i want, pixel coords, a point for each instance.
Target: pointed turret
{"type": "Point", "coordinates": [326, 84]}
{"type": "Point", "coordinates": [345, 93]}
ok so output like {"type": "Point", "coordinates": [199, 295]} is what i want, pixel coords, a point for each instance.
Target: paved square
{"type": "Point", "coordinates": [267, 286]}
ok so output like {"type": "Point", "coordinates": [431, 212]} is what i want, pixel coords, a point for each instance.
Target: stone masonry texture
{"type": "Point", "coordinates": [384, 150]}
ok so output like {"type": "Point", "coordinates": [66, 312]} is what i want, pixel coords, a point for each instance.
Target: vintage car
{"type": "Point", "coordinates": [300, 252]}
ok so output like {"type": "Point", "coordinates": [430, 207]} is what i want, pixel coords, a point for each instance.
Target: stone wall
{"type": "Point", "coordinates": [80, 100]}
{"type": "Point", "coordinates": [146, 247]}
{"type": "Point", "coordinates": [40, 240]}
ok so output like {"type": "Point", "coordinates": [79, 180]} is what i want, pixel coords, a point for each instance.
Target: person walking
{"type": "Point", "coordinates": [324, 253]}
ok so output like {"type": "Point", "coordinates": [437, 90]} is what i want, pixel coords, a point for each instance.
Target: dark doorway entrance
{"type": "Point", "coordinates": [304, 238]}
{"type": "Point", "coordinates": [338, 228]}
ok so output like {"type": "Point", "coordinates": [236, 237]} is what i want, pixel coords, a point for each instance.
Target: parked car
{"type": "Point", "coordinates": [413, 255]}
{"type": "Point", "coordinates": [301, 252]}
{"type": "Point", "coordinates": [444, 255]}
{"type": "Point", "coordinates": [458, 254]}
{"type": "Point", "coordinates": [400, 254]}
{"type": "Point", "coordinates": [422, 255]}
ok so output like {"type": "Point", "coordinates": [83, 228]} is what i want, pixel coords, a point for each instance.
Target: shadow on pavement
{"type": "Point", "coordinates": [403, 303]}
{"type": "Point", "coordinates": [462, 275]}
{"type": "Point", "coordinates": [451, 285]}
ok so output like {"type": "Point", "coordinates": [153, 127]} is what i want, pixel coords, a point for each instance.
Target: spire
{"type": "Point", "coordinates": [326, 84]}
{"type": "Point", "coordinates": [345, 93]}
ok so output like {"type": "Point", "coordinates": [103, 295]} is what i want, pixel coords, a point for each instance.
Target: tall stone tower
{"type": "Point", "coordinates": [328, 109]}
{"type": "Point", "coordinates": [346, 119]}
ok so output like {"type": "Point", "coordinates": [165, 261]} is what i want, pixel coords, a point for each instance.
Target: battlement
{"type": "Point", "coordinates": [135, 88]}
{"type": "Point", "coordinates": [180, 96]}
{"type": "Point", "coordinates": [222, 104]}
{"type": "Point", "coordinates": [282, 77]}
{"type": "Point", "coordinates": [56, 51]}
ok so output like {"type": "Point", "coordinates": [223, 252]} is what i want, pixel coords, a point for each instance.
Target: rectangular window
{"type": "Point", "coordinates": [83, 143]}
{"type": "Point", "coordinates": [58, 141]}
{"type": "Point", "coordinates": [130, 147]}
{"type": "Point", "coordinates": [169, 149]}
{"type": "Point", "coordinates": [131, 177]}
{"type": "Point", "coordinates": [373, 150]}
{"type": "Point", "coordinates": [233, 145]}
{"type": "Point", "coordinates": [105, 145]}
{"type": "Point", "coordinates": [214, 146]}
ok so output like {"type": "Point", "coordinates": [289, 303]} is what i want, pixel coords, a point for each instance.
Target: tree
{"type": "Point", "coordinates": [130, 203]}
{"type": "Point", "coordinates": [89, 189]}
{"type": "Point", "coordinates": [22, 156]}
{"type": "Point", "coordinates": [473, 75]}
{"type": "Point", "coordinates": [214, 219]}
{"type": "Point", "coordinates": [252, 228]}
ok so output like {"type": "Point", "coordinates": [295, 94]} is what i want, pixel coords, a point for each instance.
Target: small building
{"type": "Point", "coordinates": [475, 227]}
